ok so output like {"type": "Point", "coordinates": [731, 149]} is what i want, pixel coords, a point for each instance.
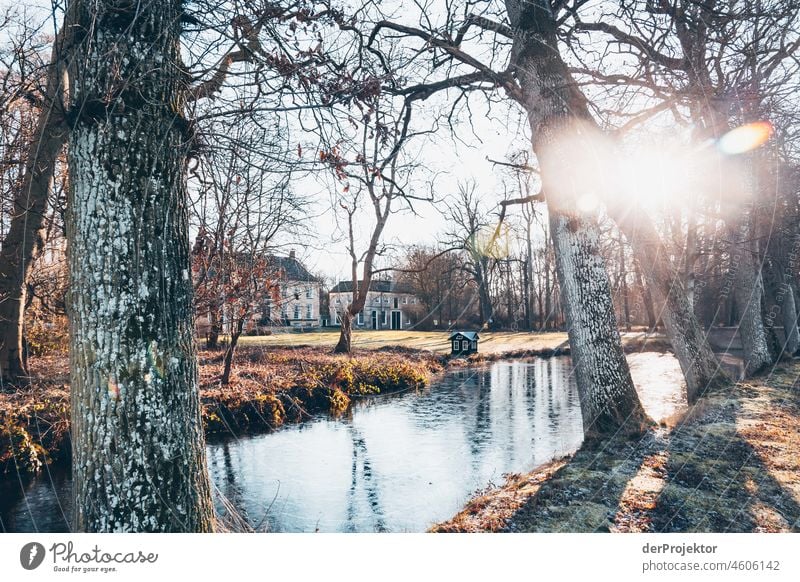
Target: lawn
{"type": "Point", "coordinates": [435, 341]}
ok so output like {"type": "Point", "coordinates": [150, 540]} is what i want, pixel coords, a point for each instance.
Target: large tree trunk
{"type": "Point", "coordinates": [608, 398]}
{"type": "Point", "coordinates": [609, 402]}
{"type": "Point", "coordinates": [30, 205]}
{"type": "Point", "coordinates": [137, 436]}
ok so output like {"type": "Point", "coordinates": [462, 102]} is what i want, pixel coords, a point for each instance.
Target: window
{"type": "Point", "coordinates": [413, 300]}
{"type": "Point", "coordinates": [296, 293]}
{"type": "Point", "coordinates": [283, 313]}
{"type": "Point", "coordinates": [309, 311]}
{"type": "Point", "coordinates": [309, 293]}
{"type": "Point", "coordinates": [338, 300]}
{"type": "Point", "coordinates": [383, 318]}
{"type": "Point", "coordinates": [456, 343]}
{"type": "Point", "coordinates": [297, 312]}
{"type": "Point", "coordinates": [405, 300]}
{"type": "Point", "coordinates": [465, 345]}
{"type": "Point", "coordinates": [386, 300]}
{"type": "Point", "coordinates": [360, 318]}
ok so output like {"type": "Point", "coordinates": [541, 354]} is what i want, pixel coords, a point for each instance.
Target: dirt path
{"type": "Point", "coordinates": [731, 464]}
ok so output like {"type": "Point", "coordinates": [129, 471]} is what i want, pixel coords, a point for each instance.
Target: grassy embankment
{"type": "Point", "coordinates": [277, 379]}
{"type": "Point", "coordinates": [731, 463]}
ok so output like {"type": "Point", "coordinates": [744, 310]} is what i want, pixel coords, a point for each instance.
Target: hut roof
{"type": "Point", "coordinates": [470, 335]}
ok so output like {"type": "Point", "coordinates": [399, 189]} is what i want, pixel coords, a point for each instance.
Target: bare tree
{"type": "Point", "coordinates": [23, 237]}
{"type": "Point", "coordinates": [474, 232]}
{"type": "Point", "coordinates": [372, 175]}
{"type": "Point", "coordinates": [538, 79]}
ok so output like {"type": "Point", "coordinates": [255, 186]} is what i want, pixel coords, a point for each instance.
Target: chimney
{"type": "Point", "coordinates": [291, 254]}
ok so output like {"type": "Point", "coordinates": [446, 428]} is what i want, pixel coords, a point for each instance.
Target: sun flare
{"type": "Point", "coordinates": [745, 138]}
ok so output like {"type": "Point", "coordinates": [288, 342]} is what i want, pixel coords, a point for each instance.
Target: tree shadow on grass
{"type": "Point", "coordinates": [732, 465]}
{"type": "Point", "coordinates": [583, 494]}
{"type": "Point", "coordinates": [723, 468]}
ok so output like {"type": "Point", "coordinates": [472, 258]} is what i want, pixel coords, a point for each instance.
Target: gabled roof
{"type": "Point", "coordinates": [292, 269]}
{"type": "Point", "coordinates": [470, 335]}
{"type": "Point", "coordinates": [376, 286]}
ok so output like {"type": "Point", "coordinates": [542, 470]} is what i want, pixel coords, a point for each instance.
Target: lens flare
{"type": "Point", "coordinates": [745, 138]}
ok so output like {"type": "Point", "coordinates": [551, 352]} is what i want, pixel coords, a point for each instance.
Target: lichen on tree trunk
{"type": "Point", "coordinates": [137, 436]}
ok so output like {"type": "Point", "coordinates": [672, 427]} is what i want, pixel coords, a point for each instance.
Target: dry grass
{"type": "Point", "coordinates": [432, 341]}
{"type": "Point", "coordinates": [490, 510]}
{"type": "Point", "coordinates": [491, 342]}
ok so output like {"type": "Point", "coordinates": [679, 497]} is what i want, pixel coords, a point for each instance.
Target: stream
{"type": "Point", "coordinates": [395, 463]}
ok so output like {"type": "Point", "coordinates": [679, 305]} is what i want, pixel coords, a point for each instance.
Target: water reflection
{"type": "Point", "coordinates": [394, 463]}
{"type": "Point", "coordinates": [401, 463]}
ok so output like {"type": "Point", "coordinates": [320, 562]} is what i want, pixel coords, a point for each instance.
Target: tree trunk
{"type": "Point", "coordinates": [626, 309]}
{"type": "Point", "coordinates": [609, 402]}
{"type": "Point", "coordinates": [548, 288]}
{"type": "Point", "coordinates": [647, 297]}
{"type": "Point", "coordinates": [789, 317]}
{"type": "Point", "coordinates": [215, 328]}
{"type": "Point", "coordinates": [30, 206]}
{"type": "Point", "coordinates": [345, 343]}
{"type": "Point", "coordinates": [699, 364]}
{"type": "Point", "coordinates": [748, 291]}
{"type": "Point", "coordinates": [227, 361]}
{"type": "Point", "coordinates": [608, 398]}
{"type": "Point", "coordinates": [138, 456]}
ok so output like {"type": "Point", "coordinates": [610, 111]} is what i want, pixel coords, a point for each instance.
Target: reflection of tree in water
{"type": "Point", "coordinates": [482, 419]}
{"type": "Point", "coordinates": [370, 485]}
{"type": "Point", "coordinates": [227, 485]}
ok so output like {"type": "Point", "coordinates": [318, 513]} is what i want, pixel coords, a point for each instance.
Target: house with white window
{"type": "Point", "coordinates": [298, 298]}
{"type": "Point", "coordinates": [293, 300]}
{"type": "Point", "coordinates": [389, 305]}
